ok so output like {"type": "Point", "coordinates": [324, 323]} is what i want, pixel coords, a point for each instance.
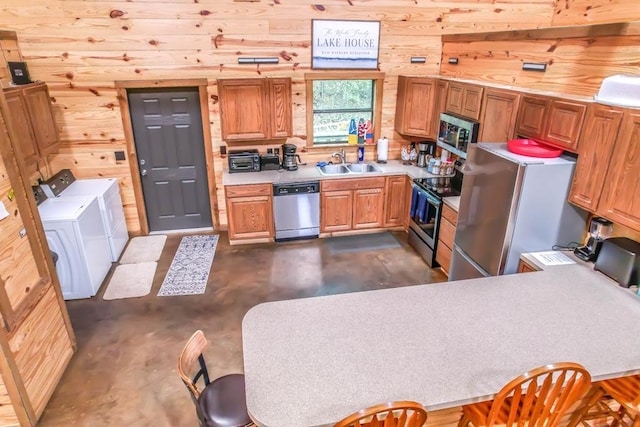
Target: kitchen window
{"type": "Point", "coordinates": [333, 99]}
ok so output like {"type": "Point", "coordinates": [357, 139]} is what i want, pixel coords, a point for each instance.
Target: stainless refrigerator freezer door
{"type": "Point", "coordinates": [487, 208]}
{"type": "Point", "coordinates": [462, 267]}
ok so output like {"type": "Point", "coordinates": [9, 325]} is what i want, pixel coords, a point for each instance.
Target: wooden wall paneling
{"type": "Point", "coordinates": [580, 12]}
{"type": "Point", "coordinates": [577, 58]}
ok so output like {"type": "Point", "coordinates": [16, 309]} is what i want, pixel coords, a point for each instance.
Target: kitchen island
{"type": "Point", "coordinates": [310, 362]}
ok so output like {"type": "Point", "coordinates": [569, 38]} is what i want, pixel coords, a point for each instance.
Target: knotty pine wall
{"type": "Point", "coordinates": [79, 48]}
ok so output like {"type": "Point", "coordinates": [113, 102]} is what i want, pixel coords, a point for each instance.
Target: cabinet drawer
{"type": "Point", "coordinates": [447, 231]}
{"type": "Point", "coordinates": [443, 257]}
{"type": "Point", "coordinates": [449, 214]}
{"type": "Point", "coordinates": [248, 190]}
{"type": "Point", "coordinates": [351, 184]}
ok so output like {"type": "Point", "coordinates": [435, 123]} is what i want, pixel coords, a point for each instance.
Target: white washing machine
{"type": "Point", "coordinates": [64, 184]}
{"type": "Point", "coordinates": [74, 230]}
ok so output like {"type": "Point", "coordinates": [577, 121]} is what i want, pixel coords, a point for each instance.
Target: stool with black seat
{"type": "Point", "coordinates": [222, 402]}
{"type": "Point", "coordinates": [539, 397]}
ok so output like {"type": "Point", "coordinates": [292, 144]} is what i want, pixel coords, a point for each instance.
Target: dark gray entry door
{"type": "Point", "coordinates": [167, 129]}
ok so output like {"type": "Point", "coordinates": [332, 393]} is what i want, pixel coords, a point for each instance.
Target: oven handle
{"type": "Point", "coordinates": [430, 197]}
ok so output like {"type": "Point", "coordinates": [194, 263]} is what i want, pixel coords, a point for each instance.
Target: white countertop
{"type": "Point", "coordinates": [309, 362]}
{"type": "Point", "coordinates": [311, 172]}
{"type": "Point", "coordinates": [453, 202]}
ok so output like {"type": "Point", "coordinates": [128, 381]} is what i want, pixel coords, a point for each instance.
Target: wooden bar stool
{"type": "Point", "coordinates": [394, 414]}
{"type": "Point", "coordinates": [539, 397]}
{"type": "Point", "coordinates": [222, 402]}
{"type": "Point", "coordinates": [624, 390]}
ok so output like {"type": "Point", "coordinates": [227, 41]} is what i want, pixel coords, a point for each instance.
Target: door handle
{"type": "Point", "coordinates": [142, 162]}
{"type": "Point", "coordinates": [143, 172]}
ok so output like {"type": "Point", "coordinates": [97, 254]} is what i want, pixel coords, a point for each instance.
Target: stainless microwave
{"type": "Point", "coordinates": [456, 133]}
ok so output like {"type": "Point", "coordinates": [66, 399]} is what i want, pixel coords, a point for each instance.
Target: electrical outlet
{"type": "Point", "coordinates": [223, 150]}
{"type": "Point", "coordinates": [23, 232]}
{"type": "Point", "coordinates": [119, 155]}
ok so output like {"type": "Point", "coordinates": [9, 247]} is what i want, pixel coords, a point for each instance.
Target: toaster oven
{"type": "Point", "coordinates": [244, 161]}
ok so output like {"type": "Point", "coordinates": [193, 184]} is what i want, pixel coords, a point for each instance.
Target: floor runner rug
{"type": "Point", "coordinates": [143, 249]}
{"type": "Point", "coordinates": [190, 267]}
{"type": "Point", "coordinates": [362, 242]}
{"type": "Point", "coordinates": [131, 280]}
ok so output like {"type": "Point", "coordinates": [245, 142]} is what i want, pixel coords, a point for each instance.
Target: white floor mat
{"type": "Point", "coordinates": [131, 280]}
{"type": "Point", "coordinates": [143, 249]}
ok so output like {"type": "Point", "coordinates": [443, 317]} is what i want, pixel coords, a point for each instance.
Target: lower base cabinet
{"type": "Point", "coordinates": [524, 267]}
{"type": "Point", "coordinates": [250, 211]}
{"type": "Point", "coordinates": [351, 204]}
{"type": "Point", "coordinates": [446, 233]}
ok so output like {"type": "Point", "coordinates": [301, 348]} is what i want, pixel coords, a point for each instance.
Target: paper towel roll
{"type": "Point", "coordinates": [383, 149]}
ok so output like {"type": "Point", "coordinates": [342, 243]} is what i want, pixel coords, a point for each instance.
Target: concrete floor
{"type": "Point", "coordinates": [124, 370]}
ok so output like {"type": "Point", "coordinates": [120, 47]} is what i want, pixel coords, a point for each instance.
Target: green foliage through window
{"type": "Point", "coordinates": [335, 103]}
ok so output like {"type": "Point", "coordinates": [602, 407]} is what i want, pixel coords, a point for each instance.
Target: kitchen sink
{"type": "Point", "coordinates": [333, 169]}
{"type": "Point", "coordinates": [363, 167]}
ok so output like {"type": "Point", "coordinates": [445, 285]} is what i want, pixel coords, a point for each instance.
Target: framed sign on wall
{"type": "Point", "coordinates": [337, 44]}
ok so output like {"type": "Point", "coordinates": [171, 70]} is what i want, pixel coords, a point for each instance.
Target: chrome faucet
{"type": "Point", "coordinates": [341, 154]}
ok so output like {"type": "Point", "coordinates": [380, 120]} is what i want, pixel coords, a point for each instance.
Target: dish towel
{"type": "Point", "coordinates": [414, 201]}
{"type": "Point", "coordinates": [422, 204]}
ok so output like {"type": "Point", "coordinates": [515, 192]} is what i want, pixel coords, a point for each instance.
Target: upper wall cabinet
{"type": "Point", "coordinates": [415, 106]}
{"type": "Point", "coordinates": [621, 187]}
{"type": "Point", "coordinates": [33, 121]}
{"type": "Point", "coordinates": [498, 115]}
{"type": "Point", "coordinates": [555, 121]}
{"type": "Point", "coordinates": [464, 99]}
{"type": "Point", "coordinates": [255, 109]}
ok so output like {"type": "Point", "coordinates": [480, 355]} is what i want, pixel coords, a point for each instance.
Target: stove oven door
{"type": "Point", "coordinates": [425, 221]}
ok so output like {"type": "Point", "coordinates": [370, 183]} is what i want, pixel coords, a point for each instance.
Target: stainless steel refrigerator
{"type": "Point", "coordinates": [511, 204]}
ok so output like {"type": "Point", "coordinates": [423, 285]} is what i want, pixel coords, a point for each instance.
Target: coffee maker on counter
{"type": "Point", "coordinates": [600, 229]}
{"type": "Point", "coordinates": [426, 150]}
{"type": "Point", "coordinates": [290, 160]}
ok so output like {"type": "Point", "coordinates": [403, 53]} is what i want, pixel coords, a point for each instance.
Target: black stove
{"type": "Point", "coordinates": [443, 186]}
{"type": "Point", "coordinates": [439, 187]}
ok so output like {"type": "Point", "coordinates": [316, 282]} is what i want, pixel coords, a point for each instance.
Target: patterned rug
{"type": "Point", "coordinates": [190, 267]}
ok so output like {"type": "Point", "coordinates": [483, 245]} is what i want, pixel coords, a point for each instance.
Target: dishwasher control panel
{"type": "Point", "coordinates": [296, 188]}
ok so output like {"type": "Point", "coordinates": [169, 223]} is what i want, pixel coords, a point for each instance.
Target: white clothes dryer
{"type": "Point", "coordinates": [64, 184]}
{"type": "Point", "coordinates": [74, 231]}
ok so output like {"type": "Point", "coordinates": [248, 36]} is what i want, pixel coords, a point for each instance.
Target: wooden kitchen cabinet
{"type": "Point", "coordinates": [464, 99]}
{"type": "Point", "coordinates": [250, 211]}
{"type": "Point", "coordinates": [336, 210]}
{"type": "Point", "coordinates": [498, 115]}
{"type": "Point", "coordinates": [524, 267]}
{"type": "Point", "coordinates": [415, 106]}
{"type": "Point", "coordinates": [255, 109]}
{"type": "Point", "coordinates": [396, 212]}
{"type": "Point", "coordinates": [597, 140]}
{"type": "Point", "coordinates": [351, 204]}
{"type": "Point", "coordinates": [33, 122]}
{"type": "Point", "coordinates": [448, 222]}
{"type": "Point", "coordinates": [621, 185]}
{"type": "Point", "coordinates": [554, 121]}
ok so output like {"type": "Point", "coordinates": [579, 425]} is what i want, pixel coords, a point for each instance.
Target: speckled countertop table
{"type": "Point", "coordinates": [312, 361]}
{"type": "Point", "coordinates": [311, 172]}
{"type": "Point", "coordinates": [453, 202]}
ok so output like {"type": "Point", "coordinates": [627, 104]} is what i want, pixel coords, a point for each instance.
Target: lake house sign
{"type": "Point", "coordinates": [340, 44]}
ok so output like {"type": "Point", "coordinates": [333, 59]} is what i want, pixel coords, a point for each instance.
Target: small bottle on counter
{"type": "Point", "coordinates": [436, 167]}
{"type": "Point", "coordinates": [360, 154]}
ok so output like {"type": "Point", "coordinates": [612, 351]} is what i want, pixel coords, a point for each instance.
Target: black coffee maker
{"type": "Point", "coordinates": [290, 159]}
{"type": "Point", "coordinates": [600, 229]}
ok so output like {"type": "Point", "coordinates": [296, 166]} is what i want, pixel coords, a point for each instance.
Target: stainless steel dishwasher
{"type": "Point", "coordinates": [296, 210]}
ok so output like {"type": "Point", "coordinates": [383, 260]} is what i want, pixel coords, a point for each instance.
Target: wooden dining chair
{"type": "Point", "coordinates": [539, 397]}
{"type": "Point", "coordinates": [392, 414]}
{"type": "Point", "coordinates": [220, 403]}
{"type": "Point", "coordinates": [624, 390]}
